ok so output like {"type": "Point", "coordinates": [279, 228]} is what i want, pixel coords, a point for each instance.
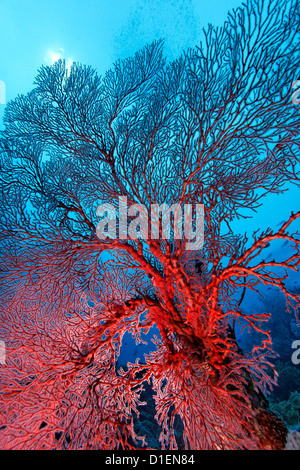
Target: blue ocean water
{"type": "Point", "coordinates": [98, 33]}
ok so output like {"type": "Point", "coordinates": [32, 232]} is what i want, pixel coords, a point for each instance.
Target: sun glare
{"type": "Point", "coordinates": [53, 56]}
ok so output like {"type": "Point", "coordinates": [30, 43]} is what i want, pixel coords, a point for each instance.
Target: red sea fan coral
{"type": "Point", "coordinates": [203, 130]}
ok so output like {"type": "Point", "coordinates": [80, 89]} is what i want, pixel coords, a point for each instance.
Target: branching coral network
{"type": "Point", "coordinates": [203, 129]}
